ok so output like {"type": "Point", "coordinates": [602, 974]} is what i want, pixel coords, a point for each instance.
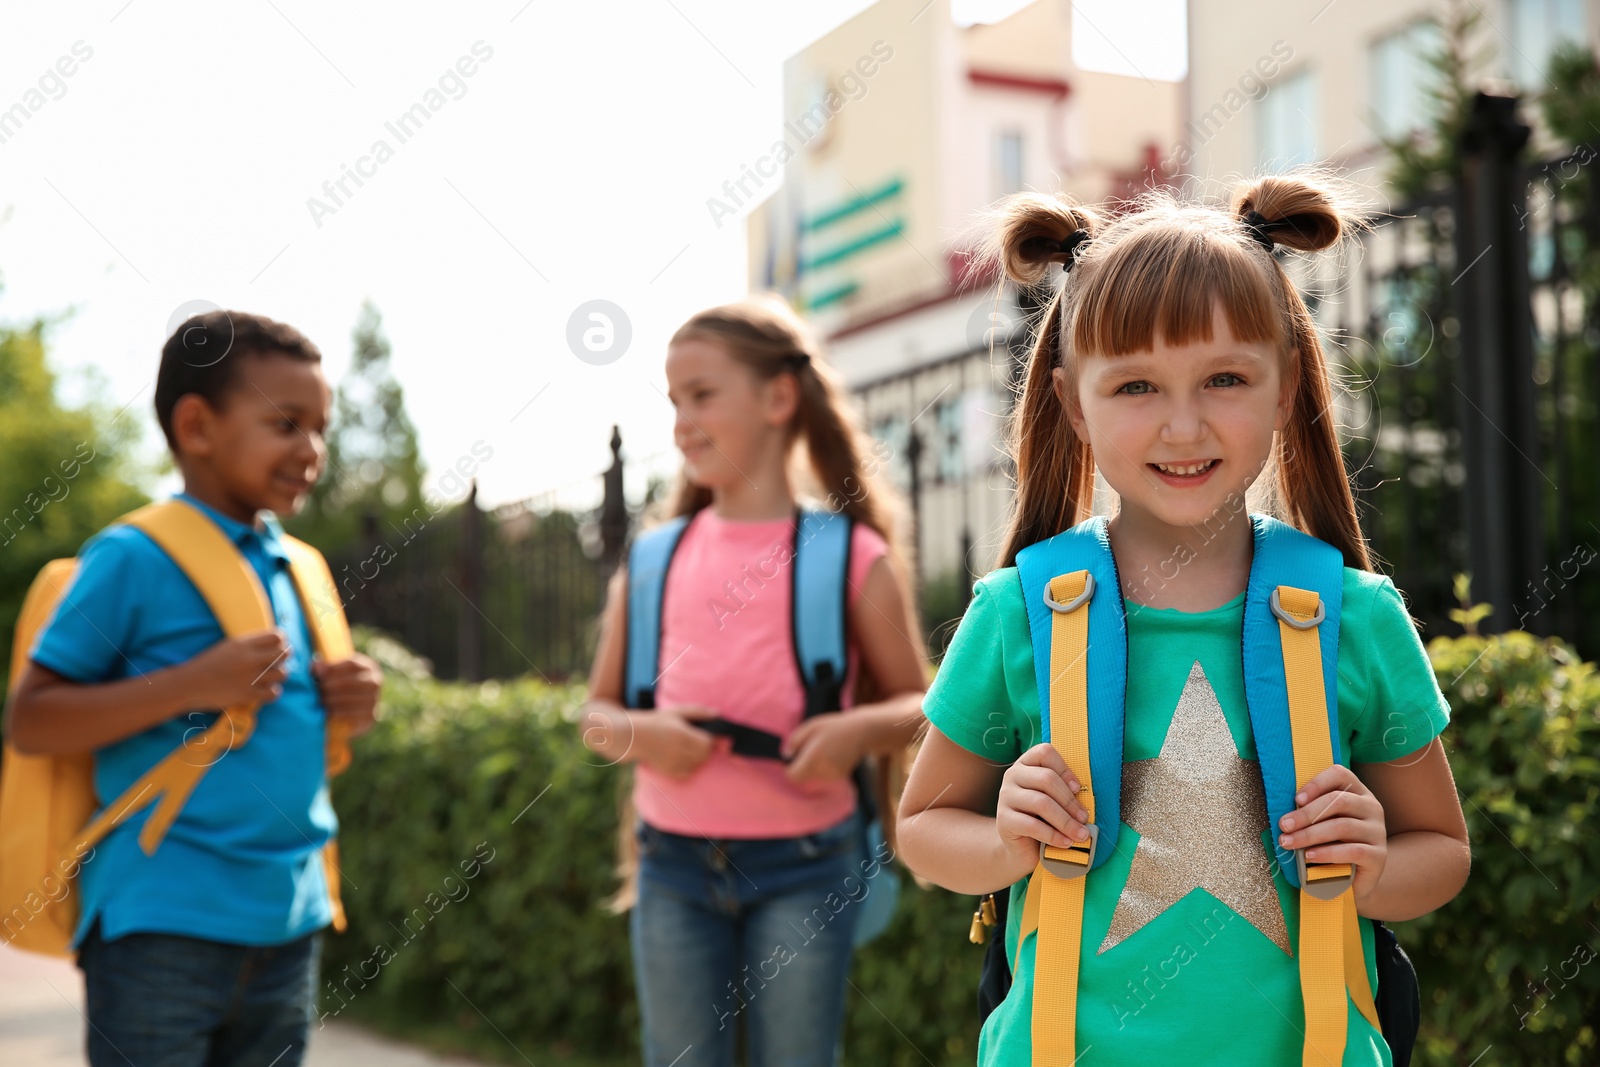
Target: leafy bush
{"type": "Point", "coordinates": [448, 776]}
{"type": "Point", "coordinates": [442, 786]}
{"type": "Point", "coordinates": [1508, 962]}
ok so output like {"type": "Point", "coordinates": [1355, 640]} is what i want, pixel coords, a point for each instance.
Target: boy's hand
{"type": "Point", "coordinates": [670, 742]}
{"type": "Point", "coordinates": [1038, 803]}
{"type": "Point", "coordinates": [240, 671]}
{"type": "Point", "coordinates": [823, 747]}
{"type": "Point", "coordinates": [1343, 822]}
{"type": "Point", "coordinates": [350, 689]}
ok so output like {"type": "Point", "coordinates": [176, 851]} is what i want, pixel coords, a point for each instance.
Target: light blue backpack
{"type": "Point", "coordinates": [819, 573]}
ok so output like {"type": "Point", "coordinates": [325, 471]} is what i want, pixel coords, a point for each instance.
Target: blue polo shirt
{"type": "Point", "coordinates": [242, 863]}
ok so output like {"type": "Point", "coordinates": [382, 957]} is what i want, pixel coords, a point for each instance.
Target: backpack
{"type": "Point", "coordinates": [1290, 643]}
{"type": "Point", "coordinates": [46, 801]}
{"type": "Point", "coordinates": [819, 567]}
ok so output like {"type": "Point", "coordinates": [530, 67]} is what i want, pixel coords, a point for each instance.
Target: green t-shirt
{"type": "Point", "coordinates": [1181, 956]}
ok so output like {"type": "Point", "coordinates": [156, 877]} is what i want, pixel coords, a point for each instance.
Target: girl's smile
{"type": "Point", "coordinates": [1197, 417]}
{"type": "Point", "coordinates": [1188, 473]}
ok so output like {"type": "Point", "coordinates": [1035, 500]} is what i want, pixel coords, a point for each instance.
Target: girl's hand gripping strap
{"type": "Point", "coordinates": [1055, 892]}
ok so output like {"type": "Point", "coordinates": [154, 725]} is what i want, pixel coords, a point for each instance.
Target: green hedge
{"type": "Point", "coordinates": [523, 954]}
{"type": "Point", "coordinates": [1510, 962]}
{"type": "Point", "coordinates": [440, 782]}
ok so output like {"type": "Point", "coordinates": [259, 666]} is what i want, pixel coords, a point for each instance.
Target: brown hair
{"type": "Point", "coordinates": [835, 462]}
{"type": "Point", "coordinates": [1160, 269]}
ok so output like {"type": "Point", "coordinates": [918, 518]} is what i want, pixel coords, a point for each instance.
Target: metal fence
{"type": "Point", "coordinates": [501, 592]}
{"type": "Point", "coordinates": [1471, 321]}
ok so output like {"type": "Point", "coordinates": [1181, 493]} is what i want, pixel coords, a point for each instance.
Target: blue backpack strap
{"type": "Point", "coordinates": [820, 605]}
{"type": "Point", "coordinates": [1086, 546]}
{"type": "Point", "coordinates": [821, 577]}
{"type": "Point", "coordinates": [1286, 556]}
{"type": "Point", "coordinates": [648, 559]}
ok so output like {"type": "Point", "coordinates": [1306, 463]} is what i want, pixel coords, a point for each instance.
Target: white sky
{"type": "Point", "coordinates": [176, 165]}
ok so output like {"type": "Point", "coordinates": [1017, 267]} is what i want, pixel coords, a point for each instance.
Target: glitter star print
{"type": "Point", "coordinates": [1200, 812]}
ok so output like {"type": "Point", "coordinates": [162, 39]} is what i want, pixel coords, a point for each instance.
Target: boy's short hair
{"type": "Point", "coordinates": [203, 355]}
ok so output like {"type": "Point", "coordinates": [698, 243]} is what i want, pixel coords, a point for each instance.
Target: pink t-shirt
{"type": "Point", "coordinates": [726, 644]}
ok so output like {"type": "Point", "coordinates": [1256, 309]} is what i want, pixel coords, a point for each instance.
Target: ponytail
{"type": "Point", "coordinates": [1311, 476]}
{"type": "Point", "coordinates": [1054, 466]}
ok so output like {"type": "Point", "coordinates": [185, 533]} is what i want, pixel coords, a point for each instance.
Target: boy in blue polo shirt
{"type": "Point", "coordinates": [205, 953]}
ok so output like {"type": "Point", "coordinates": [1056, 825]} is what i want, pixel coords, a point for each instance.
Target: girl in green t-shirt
{"type": "Point", "coordinates": [1179, 363]}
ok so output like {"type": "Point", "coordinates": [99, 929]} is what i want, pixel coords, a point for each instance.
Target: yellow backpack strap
{"type": "Point", "coordinates": [1055, 892]}
{"type": "Point", "coordinates": [330, 631]}
{"type": "Point", "coordinates": [324, 612]}
{"type": "Point", "coordinates": [1355, 965]}
{"type": "Point", "coordinates": [1331, 959]}
{"type": "Point", "coordinates": [235, 596]}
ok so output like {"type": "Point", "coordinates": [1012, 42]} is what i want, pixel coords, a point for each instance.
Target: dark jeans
{"type": "Point", "coordinates": [159, 1000]}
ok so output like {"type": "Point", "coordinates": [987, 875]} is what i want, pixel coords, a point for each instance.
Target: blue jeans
{"type": "Point", "coordinates": [758, 930]}
{"type": "Point", "coordinates": [160, 1000]}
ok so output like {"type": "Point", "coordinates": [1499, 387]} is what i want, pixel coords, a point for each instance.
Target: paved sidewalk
{"type": "Point", "coordinates": [41, 1024]}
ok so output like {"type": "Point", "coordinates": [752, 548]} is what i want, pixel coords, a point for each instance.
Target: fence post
{"type": "Point", "coordinates": [613, 512]}
{"type": "Point", "coordinates": [914, 463]}
{"type": "Point", "coordinates": [1499, 429]}
{"type": "Point", "coordinates": [470, 633]}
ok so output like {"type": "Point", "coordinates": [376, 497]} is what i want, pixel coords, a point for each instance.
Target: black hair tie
{"type": "Point", "coordinates": [1260, 228]}
{"type": "Point", "coordinates": [1069, 247]}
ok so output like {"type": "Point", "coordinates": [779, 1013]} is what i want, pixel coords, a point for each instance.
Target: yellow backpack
{"type": "Point", "coordinates": [46, 801]}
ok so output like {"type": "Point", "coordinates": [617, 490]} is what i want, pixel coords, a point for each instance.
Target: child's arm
{"type": "Point", "coordinates": [830, 745]}
{"type": "Point", "coordinates": [1399, 822]}
{"type": "Point", "coordinates": [665, 738]}
{"type": "Point", "coordinates": [51, 714]}
{"type": "Point", "coordinates": [945, 830]}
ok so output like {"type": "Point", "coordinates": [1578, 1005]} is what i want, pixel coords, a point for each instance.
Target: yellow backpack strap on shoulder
{"type": "Point", "coordinates": [1055, 891]}
{"type": "Point", "coordinates": [330, 631]}
{"type": "Point", "coordinates": [235, 595]}
{"type": "Point", "coordinates": [324, 612]}
{"type": "Point", "coordinates": [1331, 959]}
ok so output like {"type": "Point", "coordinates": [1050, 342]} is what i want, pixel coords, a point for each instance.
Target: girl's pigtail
{"type": "Point", "coordinates": [1313, 483]}
{"type": "Point", "coordinates": [1054, 469]}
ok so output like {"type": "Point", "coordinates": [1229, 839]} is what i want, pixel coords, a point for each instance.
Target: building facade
{"type": "Point", "coordinates": [1274, 85]}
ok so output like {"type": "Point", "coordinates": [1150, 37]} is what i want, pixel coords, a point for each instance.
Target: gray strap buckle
{"type": "Point", "coordinates": [1279, 610]}
{"type": "Point", "coordinates": [1066, 868]}
{"type": "Point", "coordinates": [1327, 888]}
{"type": "Point", "coordinates": [1077, 601]}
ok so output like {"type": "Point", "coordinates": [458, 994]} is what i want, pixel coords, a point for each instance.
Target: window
{"type": "Point", "coordinates": [1286, 124]}
{"type": "Point", "coordinates": [1008, 158]}
{"type": "Point", "coordinates": [1401, 78]}
{"type": "Point", "coordinates": [1537, 27]}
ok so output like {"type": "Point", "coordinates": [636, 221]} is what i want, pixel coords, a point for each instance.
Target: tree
{"type": "Point", "coordinates": [1423, 160]}
{"type": "Point", "coordinates": [67, 471]}
{"type": "Point", "coordinates": [1571, 105]}
{"type": "Point", "coordinates": [374, 466]}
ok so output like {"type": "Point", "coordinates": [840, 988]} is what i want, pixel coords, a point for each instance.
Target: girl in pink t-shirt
{"type": "Point", "coordinates": [743, 873]}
